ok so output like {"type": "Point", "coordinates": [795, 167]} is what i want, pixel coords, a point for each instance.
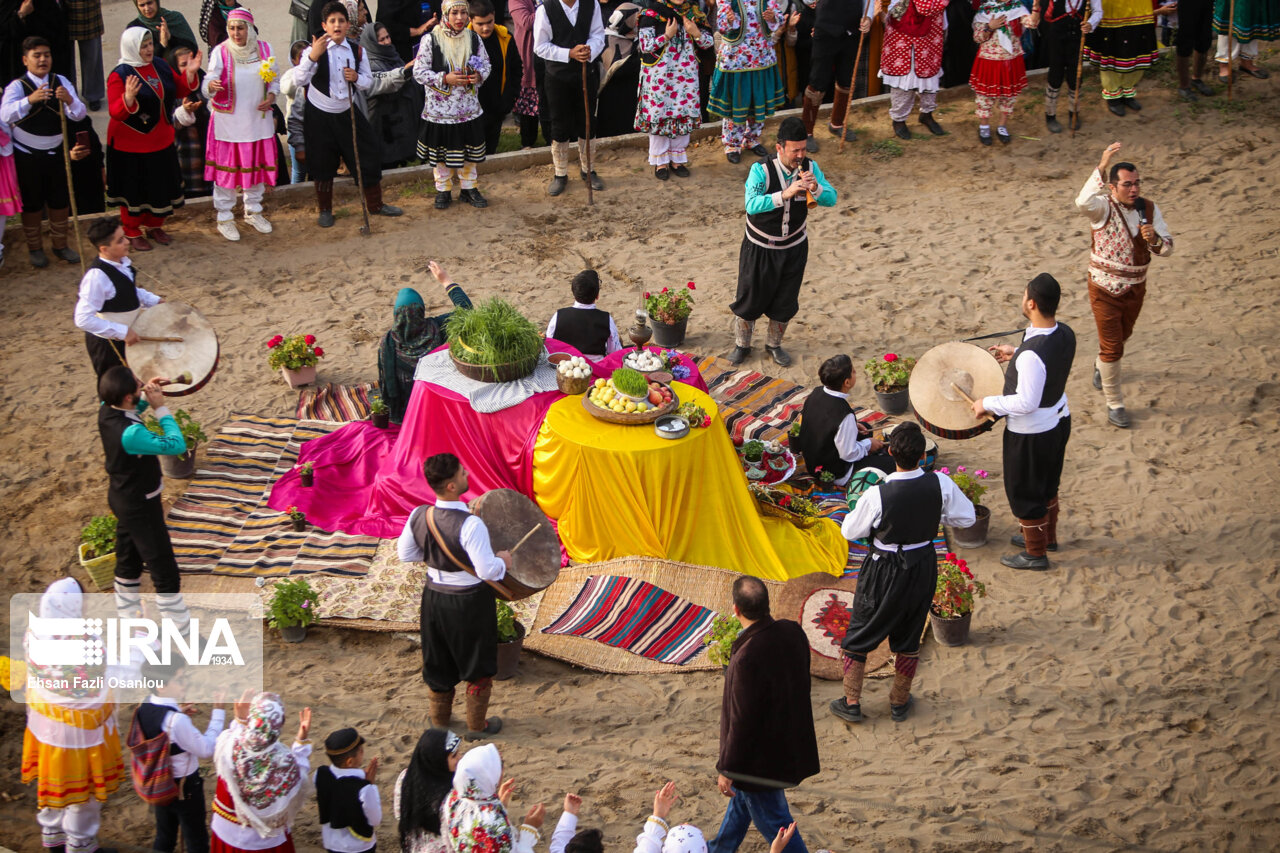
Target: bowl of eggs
{"type": "Point", "coordinates": [573, 373]}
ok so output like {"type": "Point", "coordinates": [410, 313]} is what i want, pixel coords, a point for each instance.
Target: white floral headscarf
{"type": "Point", "coordinates": [262, 775]}
{"type": "Point", "coordinates": [473, 818]}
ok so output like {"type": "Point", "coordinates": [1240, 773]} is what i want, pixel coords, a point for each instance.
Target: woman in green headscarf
{"type": "Point", "coordinates": [413, 334]}
{"type": "Point", "coordinates": [169, 28]}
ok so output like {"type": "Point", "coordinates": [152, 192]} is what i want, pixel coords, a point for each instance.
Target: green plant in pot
{"type": "Point", "coordinates": [307, 473]}
{"type": "Point", "coordinates": [182, 466]}
{"type": "Point", "coordinates": [725, 628]}
{"type": "Point", "coordinates": [379, 413]}
{"type": "Point", "coordinates": [971, 484]}
{"type": "Point", "coordinates": [510, 641]}
{"type": "Point", "coordinates": [953, 598]}
{"type": "Point", "coordinates": [669, 309]}
{"type": "Point", "coordinates": [98, 550]}
{"type": "Point", "coordinates": [292, 608]}
{"type": "Point", "coordinates": [493, 342]}
{"type": "Point", "coordinates": [298, 518]}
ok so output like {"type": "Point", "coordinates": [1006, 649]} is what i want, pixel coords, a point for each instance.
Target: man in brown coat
{"type": "Point", "coordinates": [767, 741]}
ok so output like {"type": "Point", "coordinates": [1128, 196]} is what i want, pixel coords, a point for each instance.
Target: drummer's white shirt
{"type": "Point", "coordinates": [848, 445]}
{"type": "Point", "coordinates": [957, 510]}
{"type": "Point", "coordinates": [475, 540]}
{"type": "Point", "coordinates": [96, 289]}
{"type": "Point", "coordinates": [1022, 407]}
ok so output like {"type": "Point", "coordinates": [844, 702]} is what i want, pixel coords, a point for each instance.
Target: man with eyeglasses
{"type": "Point", "coordinates": [1127, 231]}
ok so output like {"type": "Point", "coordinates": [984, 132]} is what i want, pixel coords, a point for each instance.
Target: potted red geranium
{"type": "Point", "coordinates": [953, 596]}
{"type": "Point", "coordinates": [669, 310]}
{"type": "Point", "coordinates": [296, 356]}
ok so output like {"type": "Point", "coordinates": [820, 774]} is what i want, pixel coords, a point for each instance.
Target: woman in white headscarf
{"type": "Point", "coordinates": [242, 85]}
{"type": "Point", "coordinates": [71, 747]}
{"type": "Point", "coordinates": [262, 784]}
{"type": "Point", "coordinates": [145, 98]}
{"type": "Point", "coordinates": [474, 815]}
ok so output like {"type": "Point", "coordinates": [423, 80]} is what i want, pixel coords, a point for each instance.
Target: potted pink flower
{"type": "Point", "coordinates": [889, 375]}
{"type": "Point", "coordinates": [971, 484]}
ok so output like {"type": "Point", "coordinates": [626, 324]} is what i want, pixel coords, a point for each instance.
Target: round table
{"type": "Point", "coordinates": [620, 491]}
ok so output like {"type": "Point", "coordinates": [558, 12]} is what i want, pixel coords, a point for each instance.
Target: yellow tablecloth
{"type": "Point", "coordinates": [621, 491]}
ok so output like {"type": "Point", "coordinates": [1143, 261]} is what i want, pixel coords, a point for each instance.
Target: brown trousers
{"type": "Point", "coordinates": [1115, 316]}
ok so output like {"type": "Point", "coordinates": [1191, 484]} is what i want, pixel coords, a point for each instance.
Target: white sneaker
{"type": "Point", "coordinates": [259, 222]}
{"type": "Point", "coordinates": [227, 228]}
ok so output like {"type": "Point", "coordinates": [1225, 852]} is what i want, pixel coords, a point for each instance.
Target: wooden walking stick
{"type": "Point", "coordinates": [1231, 73]}
{"type": "Point", "coordinates": [586, 115]}
{"type": "Point", "coordinates": [857, 60]}
{"type": "Point", "coordinates": [1075, 101]}
{"type": "Point", "coordinates": [71, 187]}
{"type": "Point", "coordinates": [355, 147]}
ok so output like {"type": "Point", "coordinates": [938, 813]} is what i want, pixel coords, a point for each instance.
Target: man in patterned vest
{"type": "Point", "coordinates": [1127, 231]}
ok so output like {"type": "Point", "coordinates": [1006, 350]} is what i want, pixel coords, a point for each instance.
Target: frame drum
{"type": "Point", "coordinates": [197, 352]}
{"type": "Point", "coordinates": [939, 407]}
{"type": "Point", "coordinates": [509, 515]}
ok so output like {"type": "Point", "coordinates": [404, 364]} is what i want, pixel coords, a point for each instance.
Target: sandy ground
{"type": "Point", "coordinates": [1117, 702]}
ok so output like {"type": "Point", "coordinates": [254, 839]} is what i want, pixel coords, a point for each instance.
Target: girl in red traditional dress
{"type": "Point", "coordinates": [999, 71]}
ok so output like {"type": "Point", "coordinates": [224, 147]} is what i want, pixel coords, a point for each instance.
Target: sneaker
{"type": "Point", "coordinates": [227, 228]}
{"type": "Point", "coordinates": [39, 259]}
{"type": "Point", "coordinates": [845, 711]}
{"type": "Point", "coordinates": [473, 197]}
{"type": "Point", "coordinates": [67, 254]}
{"type": "Point", "coordinates": [258, 222]}
{"type": "Point", "coordinates": [739, 355]}
{"type": "Point", "coordinates": [1118, 417]}
{"type": "Point", "coordinates": [558, 185]}
{"type": "Point", "coordinates": [681, 170]}
{"type": "Point", "coordinates": [387, 210]}
{"type": "Point", "coordinates": [444, 198]}
{"type": "Point", "coordinates": [325, 219]}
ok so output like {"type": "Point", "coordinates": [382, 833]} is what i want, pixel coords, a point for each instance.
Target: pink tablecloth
{"type": "Point", "coordinates": [368, 480]}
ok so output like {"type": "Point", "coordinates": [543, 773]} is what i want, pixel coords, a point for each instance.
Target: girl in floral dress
{"type": "Point", "coordinates": [474, 816]}
{"type": "Point", "coordinates": [262, 784]}
{"type": "Point", "coordinates": [668, 38]}
{"type": "Point", "coordinates": [999, 71]}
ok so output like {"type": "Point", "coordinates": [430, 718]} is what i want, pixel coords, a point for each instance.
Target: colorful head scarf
{"type": "Point", "coordinates": [262, 775]}
{"type": "Point", "coordinates": [473, 817]}
{"type": "Point", "coordinates": [248, 53]}
{"type": "Point", "coordinates": [131, 41]}
{"type": "Point", "coordinates": [687, 9]}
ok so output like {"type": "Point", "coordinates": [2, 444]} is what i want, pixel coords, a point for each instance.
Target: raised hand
{"type": "Point", "coordinates": [131, 88]}
{"type": "Point", "coordinates": [216, 86]}
{"type": "Point", "coordinates": [245, 701]}
{"type": "Point", "coordinates": [304, 724]}
{"type": "Point", "coordinates": [319, 45]}
{"type": "Point", "coordinates": [371, 770]}
{"type": "Point", "coordinates": [164, 33]}
{"type": "Point", "coordinates": [505, 790]}
{"type": "Point", "coordinates": [572, 802]}
{"type": "Point", "coordinates": [785, 834]}
{"type": "Point", "coordinates": [1110, 151]}
{"type": "Point", "coordinates": [535, 816]}
{"type": "Point", "coordinates": [664, 799]}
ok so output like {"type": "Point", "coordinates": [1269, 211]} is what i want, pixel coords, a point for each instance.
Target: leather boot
{"type": "Point", "coordinates": [324, 202]}
{"type": "Point", "coordinates": [1035, 533]}
{"type": "Point", "coordinates": [1052, 542]}
{"type": "Point", "coordinates": [773, 343]}
{"type": "Point", "coordinates": [35, 244]}
{"type": "Point", "coordinates": [59, 226]}
{"type": "Point", "coordinates": [809, 106]}
{"type": "Point", "coordinates": [440, 708]}
{"type": "Point", "coordinates": [478, 726]}
{"type": "Point", "coordinates": [840, 106]}
{"type": "Point", "coordinates": [904, 672]}
{"type": "Point", "coordinates": [848, 707]}
{"type": "Point", "coordinates": [377, 207]}
{"type": "Point", "coordinates": [742, 333]}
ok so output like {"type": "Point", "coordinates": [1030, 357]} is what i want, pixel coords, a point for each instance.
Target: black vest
{"type": "Point", "coordinates": [151, 717]}
{"type": "Point", "coordinates": [782, 227]}
{"type": "Point", "coordinates": [837, 17]}
{"type": "Point", "coordinates": [132, 477]}
{"type": "Point", "coordinates": [338, 798]}
{"type": "Point", "coordinates": [321, 78]}
{"type": "Point", "coordinates": [449, 522]}
{"type": "Point", "coordinates": [585, 329]}
{"type": "Point", "coordinates": [43, 120]}
{"type": "Point", "coordinates": [1057, 350]}
{"type": "Point", "coordinates": [126, 298]}
{"type": "Point", "coordinates": [819, 422]}
{"type": "Point", "coordinates": [566, 34]}
{"type": "Point", "coordinates": [910, 510]}
{"type": "Point", "coordinates": [152, 108]}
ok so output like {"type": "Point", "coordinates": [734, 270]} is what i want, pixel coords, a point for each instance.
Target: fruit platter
{"type": "Point", "coordinates": [627, 397]}
{"type": "Point", "coordinates": [766, 462]}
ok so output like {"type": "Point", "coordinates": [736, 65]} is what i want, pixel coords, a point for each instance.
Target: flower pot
{"type": "Point", "coordinates": [179, 467]}
{"type": "Point", "coordinates": [953, 631]}
{"type": "Point", "coordinates": [307, 478]}
{"type": "Point", "coordinates": [893, 402]}
{"type": "Point", "coordinates": [668, 335]}
{"type": "Point", "coordinates": [976, 535]}
{"type": "Point", "coordinates": [294, 633]}
{"type": "Point", "coordinates": [301, 376]}
{"type": "Point", "coordinates": [381, 420]}
{"type": "Point", "coordinates": [509, 656]}
{"type": "Point", "coordinates": [299, 524]}
{"type": "Point", "coordinates": [101, 570]}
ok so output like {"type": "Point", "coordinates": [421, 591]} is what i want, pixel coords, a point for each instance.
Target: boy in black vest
{"type": "Point", "coordinates": [330, 70]}
{"type": "Point", "coordinates": [30, 108]}
{"type": "Point", "coordinates": [1039, 425]}
{"type": "Point", "coordinates": [347, 796]}
{"type": "Point", "coordinates": [459, 621]}
{"type": "Point", "coordinates": [165, 711]}
{"type": "Point", "coordinates": [109, 287]}
{"type": "Point", "coordinates": [831, 437]}
{"type": "Point", "coordinates": [134, 493]}
{"type": "Point", "coordinates": [499, 90]}
{"type": "Point", "coordinates": [897, 579]}
{"type": "Point", "coordinates": [582, 326]}
{"type": "Point", "coordinates": [566, 35]}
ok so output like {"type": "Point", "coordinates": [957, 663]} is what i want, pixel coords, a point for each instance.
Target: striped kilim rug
{"type": "Point", "coordinates": [636, 616]}
{"type": "Point", "coordinates": [833, 505]}
{"type": "Point", "coordinates": [752, 404]}
{"type": "Point", "coordinates": [336, 402]}
{"type": "Point", "coordinates": [222, 526]}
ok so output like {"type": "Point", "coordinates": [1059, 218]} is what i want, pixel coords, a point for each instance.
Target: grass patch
{"type": "Point", "coordinates": [885, 149]}
{"type": "Point", "coordinates": [341, 213]}
{"type": "Point", "coordinates": [492, 333]}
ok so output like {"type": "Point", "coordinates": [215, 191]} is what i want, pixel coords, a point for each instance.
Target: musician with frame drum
{"type": "Point", "coordinates": [109, 286]}
{"type": "Point", "coordinates": [1039, 422]}
{"type": "Point", "coordinates": [458, 618]}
